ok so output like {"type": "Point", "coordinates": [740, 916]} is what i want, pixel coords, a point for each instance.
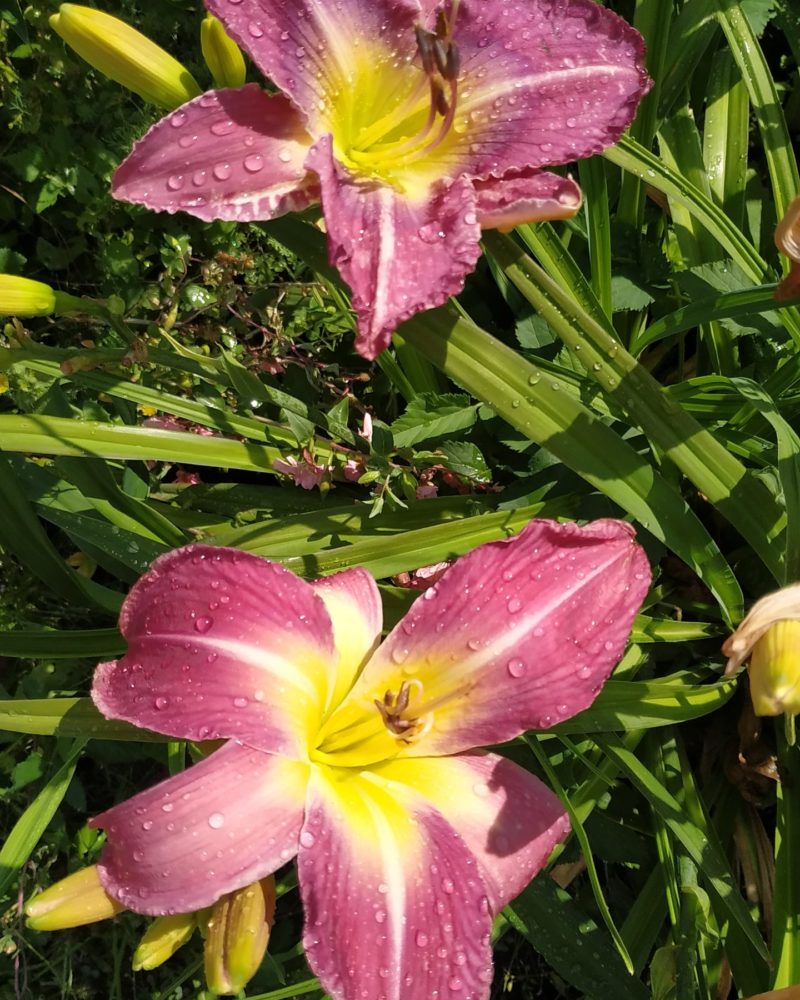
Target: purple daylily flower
{"type": "Point", "coordinates": [358, 758]}
{"type": "Point", "coordinates": [414, 123]}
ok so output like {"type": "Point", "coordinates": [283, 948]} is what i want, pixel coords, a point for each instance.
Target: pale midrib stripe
{"type": "Point", "coordinates": [270, 663]}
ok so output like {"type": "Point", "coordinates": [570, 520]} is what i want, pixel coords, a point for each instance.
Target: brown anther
{"type": "Point", "coordinates": [425, 42]}
{"type": "Point", "coordinates": [392, 708]}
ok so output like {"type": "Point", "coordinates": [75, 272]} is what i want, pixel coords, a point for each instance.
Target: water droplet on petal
{"type": "Point", "coordinates": [514, 605]}
{"type": "Point", "coordinates": [161, 703]}
{"type": "Point", "coordinates": [421, 939]}
{"type": "Point", "coordinates": [253, 163]}
{"type": "Point", "coordinates": [222, 171]}
{"type": "Point", "coordinates": [307, 839]}
{"type": "Point", "coordinates": [175, 182]}
{"type": "Point", "coordinates": [216, 820]}
{"type": "Point", "coordinates": [285, 156]}
{"type": "Point", "coordinates": [516, 667]}
{"type": "Point", "coordinates": [203, 624]}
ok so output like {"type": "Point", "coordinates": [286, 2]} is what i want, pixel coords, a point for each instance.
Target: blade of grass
{"type": "Point", "coordinates": [27, 831]}
{"type": "Point", "coordinates": [703, 459]}
{"type": "Point", "coordinates": [698, 844]}
{"type": "Point", "coordinates": [586, 849]}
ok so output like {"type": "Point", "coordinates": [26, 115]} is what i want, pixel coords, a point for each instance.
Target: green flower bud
{"type": "Point", "coordinates": [222, 54]}
{"type": "Point", "coordinates": [238, 931]}
{"type": "Point", "coordinates": [125, 55]}
{"type": "Point", "coordinates": [162, 939]}
{"type": "Point", "coordinates": [76, 900]}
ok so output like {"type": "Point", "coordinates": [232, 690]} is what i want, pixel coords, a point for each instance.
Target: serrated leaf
{"type": "Point", "coordinates": [466, 460]}
{"type": "Point", "coordinates": [430, 416]}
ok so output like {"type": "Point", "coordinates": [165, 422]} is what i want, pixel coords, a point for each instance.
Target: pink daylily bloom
{"type": "Point", "coordinates": [414, 123]}
{"type": "Point", "coordinates": [362, 759]}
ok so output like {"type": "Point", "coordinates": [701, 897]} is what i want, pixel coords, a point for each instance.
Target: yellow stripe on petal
{"type": "Point", "coordinates": [125, 55]}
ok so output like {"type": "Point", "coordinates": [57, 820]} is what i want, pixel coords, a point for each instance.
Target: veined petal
{"type": "Point", "coordinates": [516, 635]}
{"type": "Point", "coordinates": [508, 819]}
{"type": "Point", "coordinates": [314, 50]}
{"type": "Point", "coordinates": [228, 154]}
{"type": "Point", "coordinates": [398, 254]}
{"type": "Point", "coordinates": [525, 196]}
{"type": "Point", "coordinates": [353, 601]}
{"type": "Point", "coordinates": [416, 920]}
{"type": "Point", "coordinates": [222, 644]}
{"type": "Point", "coordinates": [541, 82]}
{"type": "Point", "coordinates": [221, 824]}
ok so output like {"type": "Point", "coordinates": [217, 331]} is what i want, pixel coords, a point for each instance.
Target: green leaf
{"type": "Point", "coordinates": [699, 844]}
{"type": "Point", "coordinates": [75, 717]}
{"type": "Point", "coordinates": [569, 941]}
{"type": "Point", "coordinates": [54, 644]}
{"type": "Point", "coordinates": [27, 831]}
{"type": "Point", "coordinates": [431, 416]}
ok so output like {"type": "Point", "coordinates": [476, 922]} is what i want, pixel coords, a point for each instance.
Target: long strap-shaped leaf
{"type": "Point", "coordinates": [720, 476]}
{"type": "Point", "coordinates": [704, 851]}
{"type": "Point", "coordinates": [764, 98]}
{"type": "Point", "coordinates": [36, 435]}
{"type": "Point", "coordinates": [537, 406]}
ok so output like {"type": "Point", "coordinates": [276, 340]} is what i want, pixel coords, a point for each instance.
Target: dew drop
{"type": "Point", "coordinates": [240, 702]}
{"type": "Point", "coordinates": [285, 156]}
{"type": "Point", "coordinates": [222, 171]}
{"type": "Point", "coordinates": [175, 182]}
{"type": "Point", "coordinates": [253, 163]}
{"type": "Point", "coordinates": [161, 703]}
{"type": "Point", "coordinates": [421, 939]}
{"type": "Point", "coordinates": [307, 839]}
{"type": "Point", "coordinates": [203, 624]}
{"type": "Point", "coordinates": [216, 821]}
{"type": "Point", "coordinates": [514, 605]}
{"type": "Point", "coordinates": [516, 667]}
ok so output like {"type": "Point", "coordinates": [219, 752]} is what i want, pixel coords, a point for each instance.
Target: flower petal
{"type": "Point", "coordinates": [525, 196]}
{"type": "Point", "coordinates": [353, 601]}
{"type": "Point", "coordinates": [228, 154]}
{"type": "Point", "coordinates": [313, 51]}
{"type": "Point", "coordinates": [222, 644]}
{"type": "Point", "coordinates": [397, 254]}
{"type": "Point", "coordinates": [516, 635]}
{"type": "Point", "coordinates": [509, 820]}
{"type": "Point", "coordinates": [542, 82]}
{"type": "Point", "coordinates": [395, 906]}
{"type": "Point", "coordinates": [221, 824]}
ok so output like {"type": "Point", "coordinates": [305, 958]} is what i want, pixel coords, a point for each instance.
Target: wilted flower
{"type": "Point", "coordinates": [414, 123]}
{"type": "Point", "coordinates": [770, 637]}
{"type": "Point", "coordinates": [358, 758]}
{"type": "Point", "coordinates": [306, 472]}
{"type": "Point", "coordinates": [787, 240]}
{"type": "Point", "coordinates": [125, 55]}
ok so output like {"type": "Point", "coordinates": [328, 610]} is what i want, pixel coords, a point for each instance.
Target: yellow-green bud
{"type": "Point", "coordinates": [125, 55]}
{"type": "Point", "coordinates": [237, 935]}
{"type": "Point", "coordinates": [775, 670]}
{"type": "Point", "coordinates": [76, 900]}
{"type": "Point", "coordinates": [24, 297]}
{"type": "Point", "coordinates": [162, 939]}
{"type": "Point", "coordinates": [770, 638]}
{"type": "Point", "coordinates": [222, 54]}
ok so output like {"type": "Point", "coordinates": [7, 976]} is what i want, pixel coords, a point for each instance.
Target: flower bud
{"type": "Point", "coordinates": [222, 54]}
{"type": "Point", "coordinates": [162, 939]}
{"type": "Point", "coordinates": [238, 932]}
{"type": "Point", "coordinates": [125, 55]}
{"type": "Point", "coordinates": [775, 670]}
{"type": "Point", "coordinates": [25, 297]}
{"type": "Point", "coordinates": [76, 900]}
{"type": "Point", "coordinates": [770, 637]}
